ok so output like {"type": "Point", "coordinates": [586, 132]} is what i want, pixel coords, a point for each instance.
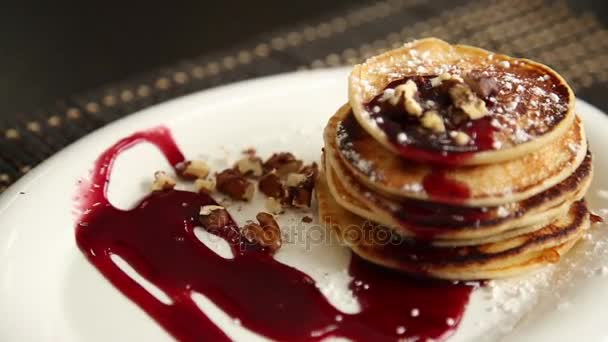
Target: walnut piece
{"type": "Point", "coordinates": [311, 172]}
{"type": "Point", "coordinates": [204, 185]}
{"type": "Point", "coordinates": [431, 120]}
{"type": "Point", "coordinates": [274, 205]}
{"type": "Point", "coordinates": [250, 165]}
{"type": "Point", "coordinates": [214, 217]}
{"type": "Point", "coordinates": [437, 81]}
{"type": "Point", "coordinates": [232, 183]}
{"type": "Point", "coordinates": [460, 138]}
{"type": "Point", "coordinates": [250, 151]}
{"type": "Point", "coordinates": [266, 234]}
{"type": "Point", "coordinates": [464, 98]}
{"type": "Point", "coordinates": [300, 195]}
{"type": "Point", "coordinates": [483, 86]}
{"type": "Point", "coordinates": [193, 169]}
{"type": "Point", "coordinates": [271, 185]}
{"type": "Point", "coordinates": [408, 90]}
{"type": "Point", "coordinates": [208, 209]}
{"type": "Point", "coordinates": [162, 181]}
{"type": "Point", "coordinates": [283, 163]}
{"type": "Point", "coordinates": [293, 179]}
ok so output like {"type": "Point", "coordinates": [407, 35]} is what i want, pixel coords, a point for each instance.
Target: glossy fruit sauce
{"type": "Point", "coordinates": [156, 238]}
{"type": "Point", "coordinates": [420, 145]}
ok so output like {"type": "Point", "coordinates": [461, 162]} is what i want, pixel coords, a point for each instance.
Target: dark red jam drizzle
{"type": "Point", "coordinates": [156, 238]}
{"type": "Point", "coordinates": [437, 185]}
{"type": "Point", "coordinates": [595, 218]}
{"type": "Point", "coordinates": [420, 147]}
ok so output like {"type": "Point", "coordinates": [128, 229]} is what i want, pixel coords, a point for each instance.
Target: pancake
{"type": "Point", "coordinates": [528, 105]}
{"type": "Point", "coordinates": [389, 174]}
{"type": "Point", "coordinates": [357, 207]}
{"type": "Point", "coordinates": [505, 258]}
{"type": "Point", "coordinates": [453, 225]}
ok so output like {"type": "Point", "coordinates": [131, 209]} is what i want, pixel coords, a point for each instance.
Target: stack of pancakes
{"type": "Point", "coordinates": [493, 190]}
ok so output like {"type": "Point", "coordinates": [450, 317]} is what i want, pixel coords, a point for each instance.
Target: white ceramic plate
{"type": "Point", "coordinates": [49, 292]}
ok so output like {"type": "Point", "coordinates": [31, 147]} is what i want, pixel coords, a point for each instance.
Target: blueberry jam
{"type": "Point", "coordinates": [157, 239]}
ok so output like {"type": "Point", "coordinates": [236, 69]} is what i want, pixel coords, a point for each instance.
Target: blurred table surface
{"type": "Point", "coordinates": [67, 67]}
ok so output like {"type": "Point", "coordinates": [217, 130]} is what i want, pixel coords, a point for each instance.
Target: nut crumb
{"type": "Point", "coordinates": [432, 121]}
{"type": "Point", "coordinates": [437, 81]}
{"type": "Point", "coordinates": [271, 185]}
{"type": "Point", "coordinates": [293, 179]}
{"type": "Point", "coordinates": [250, 165]}
{"type": "Point", "coordinates": [283, 163]}
{"type": "Point", "coordinates": [460, 138]}
{"type": "Point", "coordinates": [266, 234]}
{"type": "Point", "coordinates": [483, 86]}
{"type": "Point", "coordinates": [273, 205]}
{"type": "Point", "coordinates": [193, 169]}
{"type": "Point", "coordinates": [204, 185]}
{"type": "Point", "coordinates": [232, 183]}
{"type": "Point", "coordinates": [249, 152]}
{"type": "Point", "coordinates": [162, 181]}
{"type": "Point", "coordinates": [408, 90]}
{"type": "Point", "coordinates": [307, 219]}
{"type": "Point", "coordinates": [300, 196]}
{"type": "Point", "coordinates": [214, 217]}
{"type": "Point", "coordinates": [208, 209]}
{"type": "Point", "coordinates": [464, 98]}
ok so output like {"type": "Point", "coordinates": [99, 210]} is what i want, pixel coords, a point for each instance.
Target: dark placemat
{"type": "Point", "coordinates": [571, 40]}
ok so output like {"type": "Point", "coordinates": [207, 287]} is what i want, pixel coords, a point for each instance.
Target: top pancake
{"type": "Point", "coordinates": [486, 185]}
{"type": "Point", "coordinates": [529, 107]}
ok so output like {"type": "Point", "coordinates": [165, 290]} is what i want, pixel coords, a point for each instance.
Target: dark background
{"type": "Point", "coordinates": [53, 49]}
{"type": "Point", "coordinates": [70, 67]}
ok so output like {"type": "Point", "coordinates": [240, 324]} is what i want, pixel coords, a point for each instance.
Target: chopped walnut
{"type": "Point", "coordinates": [274, 205]}
{"type": "Point", "coordinates": [214, 217]}
{"type": "Point", "coordinates": [431, 120]}
{"type": "Point", "coordinates": [249, 152]}
{"type": "Point", "coordinates": [293, 179]}
{"type": "Point", "coordinates": [250, 165]}
{"type": "Point", "coordinates": [193, 169]}
{"type": "Point", "coordinates": [271, 185]}
{"type": "Point", "coordinates": [464, 98]}
{"type": "Point", "coordinates": [408, 90]}
{"type": "Point", "coordinates": [437, 81]}
{"type": "Point", "coordinates": [233, 184]}
{"type": "Point", "coordinates": [162, 181]}
{"type": "Point", "coordinates": [300, 195]}
{"type": "Point", "coordinates": [460, 138]}
{"type": "Point", "coordinates": [267, 233]}
{"type": "Point", "coordinates": [204, 185]}
{"type": "Point", "coordinates": [208, 209]}
{"type": "Point", "coordinates": [311, 171]}
{"type": "Point", "coordinates": [482, 85]}
{"type": "Point", "coordinates": [283, 163]}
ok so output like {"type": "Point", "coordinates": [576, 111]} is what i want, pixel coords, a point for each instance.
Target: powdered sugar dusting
{"type": "Point", "coordinates": [347, 149]}
{"type": "Point", "coordinates": [522, 299]}
{"type": "Point", "coordinates": [527, 105]}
